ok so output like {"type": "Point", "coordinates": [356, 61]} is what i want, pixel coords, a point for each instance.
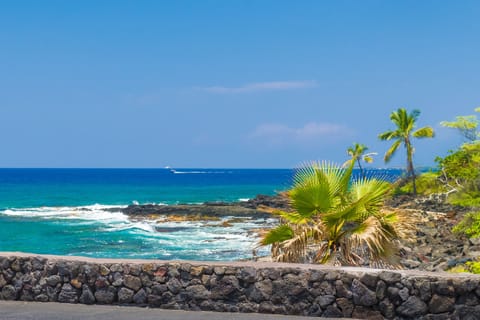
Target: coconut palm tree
{"type": "Point", "coordinates": [405, 125]}
{"type": "Point", "coordinates": [342, 219]}
{"type": "Point", "coordinates": [357, 153]}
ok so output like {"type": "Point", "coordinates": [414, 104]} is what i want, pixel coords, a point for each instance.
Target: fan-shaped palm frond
{"type": "Point", "coordinates": [341, 218]}
{"type": "Point", "coordinates": [279, 234]}
{"type": "Point", "coordinates": [295, 248]}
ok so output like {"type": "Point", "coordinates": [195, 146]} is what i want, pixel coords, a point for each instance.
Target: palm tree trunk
{"type": "Point", "coordinates": [410, 168]}
{"type": "Point", "coordinates": [412, 174]}
{"type": "Point", "coordinates": [361, 169]}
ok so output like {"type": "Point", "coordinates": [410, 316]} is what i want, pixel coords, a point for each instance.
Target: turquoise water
{"type": "Point", "coordinates": [21, 188]}
{"type": "Point", "coordinates": [62, 211]}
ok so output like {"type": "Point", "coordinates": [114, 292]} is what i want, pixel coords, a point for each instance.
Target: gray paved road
{"type": "Point", "coordinates": [18, 310]}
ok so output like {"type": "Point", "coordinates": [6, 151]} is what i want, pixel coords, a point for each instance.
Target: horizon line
{"type": "Point", "coordinates": [190, 168]}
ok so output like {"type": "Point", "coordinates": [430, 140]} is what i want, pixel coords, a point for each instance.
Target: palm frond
{"type": "Point", "coordinates": [425, 132]}
{"type": "Point", "coordinates": [415, 114]}
{"type": "Point", "coordinates": [391, 151]}
{"type": "Point", "coordinates": [347, 163]}
{"type": "Point", "coordinates": [389, 135]}
{"type": "Point", "coordinates": [366, 199]}
{"type": "Point", "coordinates": [295, 248]}
{"type": "Point", "coordinates": [398, 117]}
{"type": "Point", "coordinates": [311, 198]}
{"type": "Point", "coordinates": [293, 217]}
{"type": "Point", "coordinates": [315, 187]}
{"type": "Point", "coordinates": [371, 236]}
{"type": "Point", "coordinates": [369, 195]}
{"type": "Point", "coordinates": [343, 219]}
{"type": "Point", "coordinates": [368, 158]}
{"type": "Point", "coordinates": [338, 180]}
{"type": "Point", "coordinates": [403, 222]}
{"type": "Point", "coordinates": [336, 177]}
{"type": "Point", "coordinates": [281, 233]}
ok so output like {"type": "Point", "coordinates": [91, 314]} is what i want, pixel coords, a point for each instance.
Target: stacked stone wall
{"type": "Point", "coordinates": [242, 287]}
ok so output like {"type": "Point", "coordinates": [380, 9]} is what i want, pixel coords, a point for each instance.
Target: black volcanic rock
{"type": "Point", "coordinates": [251, 208]}
{"type": "Point", "coordinates": [276, 202]}
{"type": "Point", "coordinates": [216, 210]}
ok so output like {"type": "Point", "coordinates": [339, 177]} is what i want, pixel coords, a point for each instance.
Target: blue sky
{"type": "Point", "coordinates": [228, 83]}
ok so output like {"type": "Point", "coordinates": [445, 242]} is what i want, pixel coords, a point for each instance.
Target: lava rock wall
{"type": "Point", "coordinates": [242, 287]}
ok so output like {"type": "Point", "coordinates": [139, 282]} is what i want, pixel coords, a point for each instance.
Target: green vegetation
{"type": "Point", "coordinates": [470, 267]}
{"type": "Point", "coordinates": [461, 168]}
{"type": "Point", "coordinates": [341, 219]}
{"type": "Point", "coordinates": [467, 125]}
{"type": "Point", "coordinates": [458, 178]}
{"type": "Point", "coordinates": [357, 153]}
{"type": "Point", "coordinates": [427, 183]}
{"type": "Point", "coordinates": [469, 225]}
{"type": "Point", "coordinates": [343, 222]}
{"type": "Point", "coordinates": [405, 123]}
{"type": "Point", "coordinates": [459, 174]}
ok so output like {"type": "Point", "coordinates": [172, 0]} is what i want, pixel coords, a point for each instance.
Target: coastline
{"type": "Point", "coordinates": [435, 247]}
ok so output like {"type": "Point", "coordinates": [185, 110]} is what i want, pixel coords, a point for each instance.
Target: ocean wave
{"type": "Point", "coordinates": [109, 234]}
{"type": "Point", "coordinates": [129, 226]}
{"type": "Point", "coordinates": [189, 172]}
{"type": "Point", "coordinates": [137, 203]}
{"type": "Point", "coordinates": [94, 212]}
{"type": "Point", "coordinates": [198, 172]}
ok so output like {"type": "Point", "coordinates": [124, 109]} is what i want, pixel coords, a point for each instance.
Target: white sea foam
{"type": "Point", "coordinates": [198, 172]}
{"type": "Point", "coordinates": [167, 239]}
{"type": "Point", "coordinates": [129, 226]}
{"type": "Point", "coordinates": [189, 172]}
{"type": "Point", "coordinates": [94, 212]}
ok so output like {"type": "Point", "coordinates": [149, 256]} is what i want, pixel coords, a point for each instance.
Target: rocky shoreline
{"type": "Point", "coordinates": [250, 208]}
{"type": "Point", "coordinates": [435, 247]}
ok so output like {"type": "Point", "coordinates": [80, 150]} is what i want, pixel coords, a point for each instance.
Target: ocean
{"type": "Point", "coordinates": [62, 211]}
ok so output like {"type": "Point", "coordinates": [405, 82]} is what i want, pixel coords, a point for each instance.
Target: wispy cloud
{"type": "Point", "coordinates": [279, 134]}
{"type": "Point", "coordinates": [262, 86]}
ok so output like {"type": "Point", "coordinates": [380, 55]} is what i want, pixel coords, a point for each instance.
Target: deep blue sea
{"type": "Point", "coordinates": [62, 211]}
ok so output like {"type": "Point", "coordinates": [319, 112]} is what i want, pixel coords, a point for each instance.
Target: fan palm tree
{"type": "Point", "coordinates": [342, 219]}
{"type": "Point", "coordinates": [357, 153]}
{"type": "Point", "coordinates": [405, 125]}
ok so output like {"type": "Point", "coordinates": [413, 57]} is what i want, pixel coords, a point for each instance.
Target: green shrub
{"type": "Point", "coordinates": [470, 267]}
{"type": "Point", "coordinates": [460, 170]}
{"type": "Point", "coordinates": [461, 268]}
{"type": "Point", "coordinates": [462, 164]}
{"type": "Point", "coordinates": [468, 198]}
{"type": "Point", "coordinates": [427, 183]}
{"type": "Point", "coordinates": [469, 225]}
{"type": "Point", "coordinates": [474, 266]}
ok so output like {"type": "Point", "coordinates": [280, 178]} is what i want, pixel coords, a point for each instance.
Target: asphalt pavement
{"type": "Point", "coordinates": [20, 310]}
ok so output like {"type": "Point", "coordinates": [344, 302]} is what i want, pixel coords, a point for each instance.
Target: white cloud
{"type": "Point", "coordinates": [275, 134]}
{"type": "Point", "coordinates": [263, 86]}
